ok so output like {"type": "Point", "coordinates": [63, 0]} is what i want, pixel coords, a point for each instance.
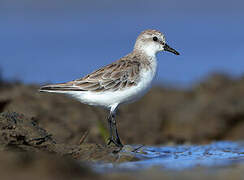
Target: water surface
{"type": "Point", "coordinates": [218, 154]}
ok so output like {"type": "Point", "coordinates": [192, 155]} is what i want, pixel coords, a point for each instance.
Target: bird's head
{"type": "Point", "coordinates": [152, 42]}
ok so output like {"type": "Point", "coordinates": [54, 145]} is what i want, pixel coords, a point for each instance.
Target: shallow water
{"type": "Point", "coordinates": [181, 157]}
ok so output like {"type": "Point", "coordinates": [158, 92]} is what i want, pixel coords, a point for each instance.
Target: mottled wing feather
{"type": "Point", "coordinates": [116, 76]}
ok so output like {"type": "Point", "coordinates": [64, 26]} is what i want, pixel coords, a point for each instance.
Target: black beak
{"type": "Point", "coordinates": [168, 48]}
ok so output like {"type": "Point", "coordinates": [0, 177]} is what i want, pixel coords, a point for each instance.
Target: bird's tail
{"type": "Point", "coordinates": [59, 88]}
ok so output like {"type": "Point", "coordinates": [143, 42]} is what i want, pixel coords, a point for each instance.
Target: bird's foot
{"type": "Point", "coordinates": [115, 142]}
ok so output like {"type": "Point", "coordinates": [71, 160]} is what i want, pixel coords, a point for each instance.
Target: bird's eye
{"type": "Point", "coordinates": [155, 38]}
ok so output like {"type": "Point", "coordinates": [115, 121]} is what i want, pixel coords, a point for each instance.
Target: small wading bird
{"type": "Point", "coordinates": [123, 81]}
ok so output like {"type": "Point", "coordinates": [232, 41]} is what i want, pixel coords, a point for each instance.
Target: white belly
{"type": "Point", "coordinates": [111, 98]}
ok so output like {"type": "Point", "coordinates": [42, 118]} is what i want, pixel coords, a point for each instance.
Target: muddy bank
{"type": "Point", "coordinates": [211, 110]}
{"type": "Point", "coordinates": [21, 134]}
{"type": "Point", "coordinates": [48, 136]}
{"type": "Point", "coordinates": [28, 151]}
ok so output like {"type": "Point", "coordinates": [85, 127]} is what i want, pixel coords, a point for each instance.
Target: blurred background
{"type": "Point", "coordinates": [197, 98]}
{"type": "Point", "coordinates": [56, 41]}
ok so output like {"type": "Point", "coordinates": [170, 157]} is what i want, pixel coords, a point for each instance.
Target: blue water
{"type": "Point", "coordinates": [217, 154]}
{"type": "Point", "coordinates": [57, 40]}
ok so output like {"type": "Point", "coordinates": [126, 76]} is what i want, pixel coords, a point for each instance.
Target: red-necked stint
{"type": "Point", "coordinates": [120, 82]}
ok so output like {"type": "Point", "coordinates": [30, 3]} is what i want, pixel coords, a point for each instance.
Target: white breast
{"type": "Point", "coordinates": [109, 99]}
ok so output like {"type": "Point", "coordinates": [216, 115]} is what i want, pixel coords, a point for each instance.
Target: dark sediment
{"type": "Point", "coordinates": [21, 134]}
{"type": "Point", "coordinates": [41, 133]}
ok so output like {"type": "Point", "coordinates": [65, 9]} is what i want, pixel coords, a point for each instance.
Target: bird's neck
{"type": "Point", "coordinates": [147, 54]}
{"type": "Point", "coordinates": [148, 59]}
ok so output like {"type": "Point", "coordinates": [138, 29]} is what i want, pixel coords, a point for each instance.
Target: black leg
{"type": "Point", "coordinates": [116, 132]}
{"type": "Point", "coordinates": [114, 136]}
{"type": "Point", "coordinates": [111, 137]}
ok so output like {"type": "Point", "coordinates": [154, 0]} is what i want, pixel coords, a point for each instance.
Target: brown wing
{"type": "Point", "coordinates": [118, 75]}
